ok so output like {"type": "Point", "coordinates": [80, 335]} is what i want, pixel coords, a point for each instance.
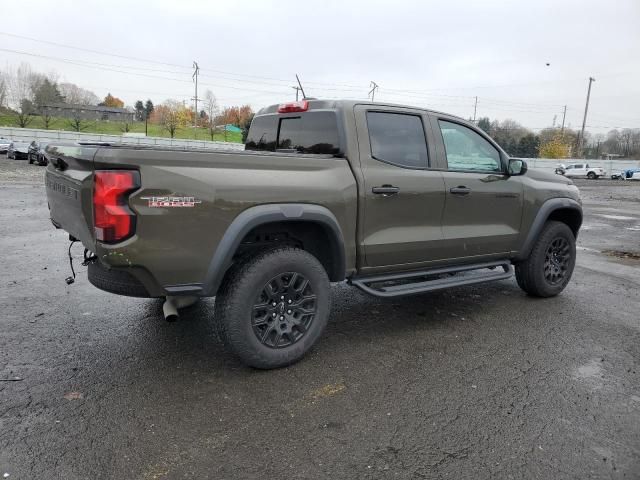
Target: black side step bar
{"type": "Point", "coordinates": [394, 285]}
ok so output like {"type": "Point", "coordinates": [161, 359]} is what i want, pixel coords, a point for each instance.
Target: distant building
{"type": "Point", "coordinates": [88, 112]}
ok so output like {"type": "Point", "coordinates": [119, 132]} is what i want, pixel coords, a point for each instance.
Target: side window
{"type": "Point", "coordinates": [570, 167]}
{"type": "Point", "coordinates": [397, 138]}
{"type": "Point", "coordinates": [467, 150]}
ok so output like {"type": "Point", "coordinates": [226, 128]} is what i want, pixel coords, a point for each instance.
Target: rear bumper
{"type": "Point", "coordinates": [118, 281]}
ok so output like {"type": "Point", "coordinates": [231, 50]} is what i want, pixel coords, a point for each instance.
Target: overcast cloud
{"type": "Point", "coordinates": [433, 54]}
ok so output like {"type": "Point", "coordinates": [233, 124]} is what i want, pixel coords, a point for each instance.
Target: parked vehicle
{"type": "Point", "coordinates": [580, 170]}
{"type": "Point", "coordinates": [36, 153]}
{"type": "Point", "coordinates": [634, 174]}
{"type": "Point", "coordinates": [18, 150]}
{"type": "Point", "coordinates": [4, 145]}
{"type": "Point", "coordinates": [625, 174]}
{"type": "Point", "coordinates": [395, 200]}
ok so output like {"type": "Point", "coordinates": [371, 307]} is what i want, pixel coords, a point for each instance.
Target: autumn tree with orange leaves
{"type": "Point", "coordinates": [238, 116]}
{"type": "Point", "coordinates": [172, 115]}
{"type": "Point", "coordinates": [111, 101]}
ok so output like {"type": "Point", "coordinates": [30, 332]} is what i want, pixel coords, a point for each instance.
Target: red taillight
{"type": "Point", "coordinates": [301, 106]}
{"type": "Point", "coordinates": [112, 219]}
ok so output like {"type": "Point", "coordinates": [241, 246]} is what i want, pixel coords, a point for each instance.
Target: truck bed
{"type": "Point", "coordinates": [187, 200]}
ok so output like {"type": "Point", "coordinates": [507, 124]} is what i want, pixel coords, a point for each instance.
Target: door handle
{"type": "Point", "coordinates": [385, 190]}
{"type": "Point", "coordinates": [460, 190]}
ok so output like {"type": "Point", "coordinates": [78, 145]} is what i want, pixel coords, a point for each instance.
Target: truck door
{"type": "Point", "coordinates": [483, 208]}
{"type": "Point", "coordinates": [403, 198]}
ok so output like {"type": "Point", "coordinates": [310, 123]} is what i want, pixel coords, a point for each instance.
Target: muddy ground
{"type": "Point", "coordinates": [478, 382]}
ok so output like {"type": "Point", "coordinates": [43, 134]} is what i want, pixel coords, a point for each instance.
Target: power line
{"type": "Point", "coordinates": [453, 100]}
{"type": "Point", "coordinates": [82, 64]}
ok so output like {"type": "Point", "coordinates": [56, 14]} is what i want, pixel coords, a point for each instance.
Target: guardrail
{"type": "Point", "coordinates": [610, 166]}
{"type": "Point", "coordinates": [30, 134]}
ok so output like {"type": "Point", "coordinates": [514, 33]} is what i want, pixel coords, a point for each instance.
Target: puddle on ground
{"type": "Point", "coordinates": [622, 254]}
{"type": "Point", "coordinates": [591, 374]}
{"type": "Point", "coordinates": [615, 217]}
{"type": "Point", "coordinates": [590, 370]}
{"type": "Point", "coordinates": [594, 226]}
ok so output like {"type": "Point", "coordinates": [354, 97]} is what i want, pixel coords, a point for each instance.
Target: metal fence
{"type": "Point", "coordinates": [29, 134]}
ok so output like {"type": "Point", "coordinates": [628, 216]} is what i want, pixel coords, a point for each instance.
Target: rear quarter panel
{"type": "Point", "coordinates": [176, 244]}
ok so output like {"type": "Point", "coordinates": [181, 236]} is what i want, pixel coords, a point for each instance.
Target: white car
{"type": "Point", "coordinates": [4, 145]}
{"type": "Point", "coordinates": [583, 170]}
{"type": "Point", "coordinates": [634, 176]}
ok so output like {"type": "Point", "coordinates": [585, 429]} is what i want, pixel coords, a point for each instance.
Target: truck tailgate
{"type": "Point", "coordinates": [69, 186]}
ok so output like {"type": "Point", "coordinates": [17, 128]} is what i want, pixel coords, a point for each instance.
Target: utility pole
{"type": "Point", "coordinates": [564, 115]}
{"type": "Point", "coordinates": [553, 125]}
{"type": "Point", "coordinates": [297, 89]}
{"type": "Point", "coordinates": [584, 119]}
{"type": "Point", "coordinates": [304, 95]}
{"type": "Point", "coordinates": [372, 92]}
{"type": "Point", "coordinates": [475, 109]}
{"type": "Point", "coordinates": [196, 71]}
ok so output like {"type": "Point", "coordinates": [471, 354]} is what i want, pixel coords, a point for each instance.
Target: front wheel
{"type": "Point", "coordinates": [271, 309]}
{"type": "Point", "coordinates": [591, 176]}
{"type": "Point", "coordinates": [548, 269]}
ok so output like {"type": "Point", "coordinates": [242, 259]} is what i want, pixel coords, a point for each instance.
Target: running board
{"type": "Point", "coordinates": [409, 283]}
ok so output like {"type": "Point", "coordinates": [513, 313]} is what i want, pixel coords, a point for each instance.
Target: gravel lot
{"type": "Point", "coordinates": [477, 382]}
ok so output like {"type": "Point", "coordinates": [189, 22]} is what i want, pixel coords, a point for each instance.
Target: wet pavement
{"type": "Point", "coordinates": [477, 382]}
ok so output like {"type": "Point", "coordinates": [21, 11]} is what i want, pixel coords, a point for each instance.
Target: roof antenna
{"type": "Point", "coordinates": [304, 96]}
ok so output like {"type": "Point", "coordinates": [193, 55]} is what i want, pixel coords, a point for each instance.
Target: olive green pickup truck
{"type": "Point", "coordinates": [393, 199]}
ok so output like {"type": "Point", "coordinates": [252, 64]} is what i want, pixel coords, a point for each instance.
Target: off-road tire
{"type": "Point", "coordinates": [240, 293]}
{"type": "Point", "coordinates": [530, 273]}
{"type": "Point", "coordinates": [592, 176]}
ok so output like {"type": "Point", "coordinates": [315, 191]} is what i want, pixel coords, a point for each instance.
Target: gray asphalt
{"type": "Point", "coordinates": [479, 382]}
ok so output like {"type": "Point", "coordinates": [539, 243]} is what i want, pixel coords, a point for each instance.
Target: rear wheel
{"type": "Point", "coordinates": [272, 308]}
{"type": "Point", "coordinates": [550, 265]}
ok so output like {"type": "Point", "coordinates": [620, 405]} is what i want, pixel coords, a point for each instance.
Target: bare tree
{"type": "Point", "coordinates": [3, 89]}
{"type": "Point", "coordinates": [625, 140]}
{"type": "Point", "coordinates": [212, 109]}
{"type": "Point", "coordinates": [76, 95]}
{"type": "Point", "coordinates": [20, 93]}
{"type": "Point", "coordinates": [77, 123]}
{"type": "Point", "coordinates": [46, 118]}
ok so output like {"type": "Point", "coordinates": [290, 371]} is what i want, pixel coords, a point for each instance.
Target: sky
{"type": "Point", "coordinates": [523, 60]}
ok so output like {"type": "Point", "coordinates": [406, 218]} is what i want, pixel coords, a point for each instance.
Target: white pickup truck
{"type": "Point", "coordinates": [580, 170]}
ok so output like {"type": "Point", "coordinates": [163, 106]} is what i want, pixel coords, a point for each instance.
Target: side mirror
{"type": "Point", "coordinates": [517, 166]}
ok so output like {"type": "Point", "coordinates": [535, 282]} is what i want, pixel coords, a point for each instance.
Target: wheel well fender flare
{"type": "Point", "coordinates": [271, 213]}
{"type": "Point", "coordinates": [544, 213]}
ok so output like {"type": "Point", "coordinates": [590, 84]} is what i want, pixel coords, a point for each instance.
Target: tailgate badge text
{"type": "Point", "coordinates": [171, 202]}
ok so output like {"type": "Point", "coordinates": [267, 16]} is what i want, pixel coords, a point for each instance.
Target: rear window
{"type": "Point", "coordinates": [312, 132]}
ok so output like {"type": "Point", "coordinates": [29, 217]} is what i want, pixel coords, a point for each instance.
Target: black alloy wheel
{"type": "Point", "coordinates": [557, 260]}
{"type": "Point", "coordinates": [284, 310]}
